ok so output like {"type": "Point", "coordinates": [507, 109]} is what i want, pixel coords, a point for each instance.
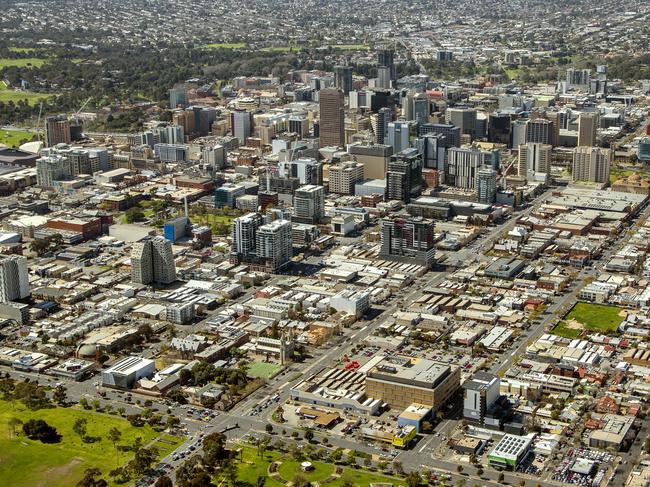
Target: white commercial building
{"type": "Point", "coordinates": [352, 301]}
{"type": "Point", "coordinates": [125, 373]}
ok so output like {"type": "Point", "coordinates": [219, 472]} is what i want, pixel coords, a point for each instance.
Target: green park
{"type": "Point", "coordinates": [281, 469]}
{"type": "Point", "coordinates": [15, 138]}
{"type": "Point", "coordinates": [32, 463]}
{"type": "Point", "coordinates": [590, 317]}
{"type": "Point", "coordinates": [8, 94]}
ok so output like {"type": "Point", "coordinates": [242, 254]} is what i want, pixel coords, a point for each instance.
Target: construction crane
{"type": "Point", "coordinates": [38, 122]}
{"type": "Point", "coordinates": [83, 105]}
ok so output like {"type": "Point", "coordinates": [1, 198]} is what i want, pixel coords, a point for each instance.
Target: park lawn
{"type": "Point", "coordinates": [282, 49]}
{"type": "Point", "coordinates": [22, 49]}
{"type": "Point", "coordinates": [210, 219]}
{"type": "Point", "coordinates": [320, 472]}
{"type": "Point", "coordinates": [34, 62]}
{"type": "Point", "coordinates": [262, 370]}
{"type": "Point", "coordinates": [15, 138]}
{"type": "Point", "coordinates": [362, 478]}
{"type": "Point", "coordinates": [351, 47]}
{"type": "Point", "coordinates": [596, 317]}
{"type": "Point", "coordinates": [616, 174]}
{"type": "Point", "coordinates": [31, 463]}
{"type": "Point", "coordinates": [562, 330]}
{"type": "Point", "coordinates": [7, 95]}
{"type": "Point", "coordinates": [253, 467]}
{"type": "Point", "coordinates": [512, 72]}
{"type": "Point", "coordinates": [225, 45]}
{"type": "Point", "coordinates": [167, 444]}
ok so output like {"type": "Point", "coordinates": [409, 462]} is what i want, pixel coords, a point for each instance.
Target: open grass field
{"type": "Point", "coordinates": [225, 45]}
{"type": "Point", "coordinates": [14, 138]}
{"type": "Point", "coordinates": [15, 96]}
{"type": "Point", "coordinates": [262, 370]}
{"type": "Point", "coordinates": [34, 62]}
{"type": "Point", "coordinates": [22, 49]}
{"type": "Point", "coordinates": [596, 317]}
{"type": "Point", "coordinates": [7, 94]}
{"type": "Point", "coordinates": [350, 47]}
{"type": "Point", "coordinates": [281, 49]}
{"type": "Point", "coordinates": [563, 330]}
{"type": "Point", "coordinates": [615, 174]}
{"type": "Point", "coordinates": [33, 464]}
{"type": "Point", "coordinates": [210, 219]}
{"type": "Point", "coordinates": [512, 72]}
{"type": "Point", "coordinates": [252, 467]}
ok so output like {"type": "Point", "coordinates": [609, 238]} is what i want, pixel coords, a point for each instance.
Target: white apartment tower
{"type": "Point", "coordinates": [152, 262]}
{"type": "Point", "coordinates": [14, 278]}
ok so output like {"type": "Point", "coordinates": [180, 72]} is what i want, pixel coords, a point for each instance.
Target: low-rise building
{"type": "Point", "coordinates": [510, 451]}
{"type": "Point", "coordinates": [126, 372]}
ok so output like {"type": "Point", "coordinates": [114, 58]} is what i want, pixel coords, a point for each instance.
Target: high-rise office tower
{"type": "Point", "coordinates": [57, 130]}
{"type": "Point", "coordinates": [344, 176]}
{"type": "Point", "coordinates": [332, 120]}
{"type": "Point", "coordinates": [591, 164]}
{"type": "Point", "coordinates": [215, 157]}
{"type": "Point", "coordinates": [462, 167]}
{"type": "Point", "coordinates": [643, 152]}
{"type": "Point", "coordinates": [178, 97]}
{"type": "Point", "coordinates": [578, 78]}
{"type": "Point", "coordinates": [555, 118]}
{"type": "Point", "coordinates": [587, 129]}
{"type": "Point", "coordinates": [535, 158]}
{"type": "Point", "coordinates": [486, 189]}
{"type": "Point", "coordinates": [384, 117]}
{"type": "Point", "coordinates": [241, 125]}
{"type": "Point", "coordinates": [499, 129]}
{"type": "Point", "coordinates": [408, 240]}
{"type": "Point", "coordinates": [343, 78]}
{"type": "Point", "coordinates": [518, 133]}
{"type": "Point", "coordinates": [421, 108]}
{"type": "Point", "coordinates": [433, 149]}
{"type": "Point", "coordinates": [273, 244]}
{"type": "Point", "coordinates": [386, 57]}
{"type": "Point", "coordinates": [539, 130]}
{"type": "Point", "coordinates": [464, 118]}
{"type": "Point", "coordinates": [383, 77]}
{"type": "Point", "coordinates": [309, 204]}
{"type": "Point", "coordinates": [374, 158]}
{"type": "Point", "coordinates": [407, 106]}
{"type": "Point", "coordinates": [451, 132]}
{"type": "Point", "coordinates": [398, 136]}
{"type": "Point", "coordinates": [598, 86]}
{"type": "Point", "coordinates": [404, 176]}
{"type": "Point", "coordinates": [14, 278]}
{"type": "Point", "coordinates": [152, 262]}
